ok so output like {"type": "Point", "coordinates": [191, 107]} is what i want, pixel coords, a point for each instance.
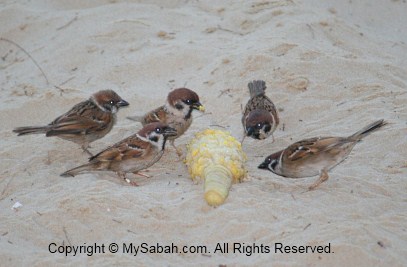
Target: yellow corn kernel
{"type": "Point", "coordinates": [216, 157]}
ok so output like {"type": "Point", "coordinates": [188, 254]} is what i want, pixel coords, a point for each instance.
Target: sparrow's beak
{"type": "Point", "coordinates": [198, 106]}
{"type": "Point", "coordinates": [170, 132]}
{"type": "Point", "coordinates": [263, 166]}
{"type": "Point", "coordinates": [250, 131]}
{"type": "Point", "coordinates": [122, 103]}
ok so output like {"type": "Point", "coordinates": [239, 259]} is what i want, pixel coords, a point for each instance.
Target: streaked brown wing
{"type": "Point", "coordinates": [302, 149]}
{"type": "Point", "coordinates": [76, 111]}
{"type": "Point", "coordinates": [156, 115]}
{"type": "Point", "coordinates": [249, 107]}
{"type": "Point", "coordinates": [269, 105]}
{"type": "Point", "coordinates": [309, 147]}
{"type": "Point", "coordinates": [78, 126]}
{"type": "Point", "coordinates": [130, 147]}
{"type": "Point", "coordinates": [83, 118]}
{"type": "Point", "coordinates": [266, 103]}
{"type": "Point", "coordinates": [260, 102]}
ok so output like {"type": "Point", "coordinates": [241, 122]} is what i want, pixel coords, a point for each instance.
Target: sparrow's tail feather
{"type": "Point", "coordinates": [31, 130]}
{"type": "Point", "coordinates": [135, 118]}
{"type": "Point", "coordinates": [77, 170]}
{"type": "Point", "coordinates": [257, 88]}
{"type": "Point", "coordinates": [368, 129]}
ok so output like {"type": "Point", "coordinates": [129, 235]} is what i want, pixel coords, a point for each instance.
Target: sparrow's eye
{"type": "Point", "coordinates": [111, 102]}
{"type": "Point", "coordinates": [158, 130]}
{"type": "Point", "coordinates": [188, 101]}
{"type": "Point", "coordinates": [259, 125]}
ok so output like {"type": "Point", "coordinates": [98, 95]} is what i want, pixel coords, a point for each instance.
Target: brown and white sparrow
{"type": "Point", "coordinates": [177, 112]}
{"type": "Point", "coordinates": [86, 122]}
{"type": "Point", "coordinates": [131, 155]}
{"type": "Point", "coordinates": [314, 156]}
{"type": "Point", "coordinates": [260, 118]}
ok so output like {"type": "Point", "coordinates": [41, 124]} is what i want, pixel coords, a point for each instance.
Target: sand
{"type": "Point", "coordinates": [331, 68]}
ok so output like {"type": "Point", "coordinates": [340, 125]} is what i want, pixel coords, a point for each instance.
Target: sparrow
{"type": "Point", "coordinates": [313, 156]}
{"type": "Point", "coordinates": [132, 154]}
{"type": "Point", "coordinates": [260, 118]}
{"type": "Point", "coordinates": [177, 112]}
{"type": "Point", "coordinates": [84, 123]}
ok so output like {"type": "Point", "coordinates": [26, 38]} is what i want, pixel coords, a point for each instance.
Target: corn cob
{"type": "Point", "coordinates": [216, 157]}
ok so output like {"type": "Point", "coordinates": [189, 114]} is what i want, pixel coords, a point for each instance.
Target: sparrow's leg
{"type": "Point", "coordinates": [142, 174]}
{"type": "Point", "coordinates": [85, 149]}
{"type": "Point", "coordinates": [322, 178]}
{"type": "Point", "coordinates": [122, 175]}
{"type": "Point", "coordinates": [179, 151]}
{"type": "Point", "coordinates": [244, 136]}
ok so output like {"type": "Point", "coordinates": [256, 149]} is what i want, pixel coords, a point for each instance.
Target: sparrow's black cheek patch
{"type": "Point", "coordinates": [267, 128]}
{"type": "Point", "coordinates": [108, 107]}
{"type": "Point", "coordinates": [273, 164]}
{"type": "Point", "coordinates": [249, 131]}
{"type": "Point", "coordinates": [154, 139]}
{"type": "Point", "coordinates": [179, 106]}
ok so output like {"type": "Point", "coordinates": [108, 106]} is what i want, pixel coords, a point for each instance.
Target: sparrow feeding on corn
{"type": "Point", "coordinates": [314, 156]}
{"type": "Point", "coordinates": [177, 112]}
{"type": "Point", "coordinates": [86, 122]}
{"type": "Point", "coordinates": [133, 154]}
{"type": "Point", "coordinates": [260, 118]}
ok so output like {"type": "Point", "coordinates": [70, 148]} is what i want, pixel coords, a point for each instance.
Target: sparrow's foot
{"type": "Point", "coordinates": [322, 178]}
{"type": "Point", "coordinates": [122, 175]}
{"type": "Point", "coordinates": [178, 150]}
{"type": "Point", "coordinates": [133, 183]}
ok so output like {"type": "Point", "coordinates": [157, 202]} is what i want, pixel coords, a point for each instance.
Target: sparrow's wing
{"type": "Point", "coordinates": [78, 126]}
{"type": "Point", "coordinates": [247, 109]}
{"type": "Point", "coordinates": [76, 111]}
{"type": "Point", "coordinates": [83, 118]}
{"type": "Point", "coordinates": [263, 102]}
{"type": "Point", "coordinates": [302, 149]}
{"type": "Point", "coordinates": [259, 102]}
{"type": "Point", "coordinates": [156, 115]}
{"type": "Point", "coordinates": [270, 107]}
{"type": "Point", "coordinates": [131, 147]}
{"type": "Point", "coordinates": [309, 147]}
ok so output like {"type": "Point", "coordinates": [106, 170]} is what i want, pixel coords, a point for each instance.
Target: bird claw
{"type": "Point", "coordinates": [123, 176]}
{"type": "Point", "coordinates": [179, 153]}
{"type": "Point", "coordinates": [133, 183]}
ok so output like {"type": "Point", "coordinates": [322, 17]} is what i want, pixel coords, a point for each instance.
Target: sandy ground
{"type": "Point", "coordinates": [331, 68]}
